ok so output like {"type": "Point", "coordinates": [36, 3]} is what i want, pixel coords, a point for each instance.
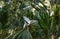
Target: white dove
{"type": "Point", "coordinates": [28, 21]}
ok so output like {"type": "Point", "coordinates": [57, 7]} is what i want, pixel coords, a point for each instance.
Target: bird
{"type": "Point", "coordinates": [28, 21]}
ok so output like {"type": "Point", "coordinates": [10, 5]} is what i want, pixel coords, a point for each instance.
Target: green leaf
{"type": "Point", "coordinates": [25, 35]}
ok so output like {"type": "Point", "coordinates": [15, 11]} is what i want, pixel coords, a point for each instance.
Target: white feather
{"type": "Point", "coordinates": [27, 19]}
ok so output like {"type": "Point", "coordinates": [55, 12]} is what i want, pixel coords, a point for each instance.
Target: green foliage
{"type": "Point", "coordinates": [12, 22]}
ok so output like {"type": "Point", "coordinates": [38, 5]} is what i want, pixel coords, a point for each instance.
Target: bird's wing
{"type": "Point", "coordinates": [34, 21]}
{"type": "Point", "coordinates": [27, 19]}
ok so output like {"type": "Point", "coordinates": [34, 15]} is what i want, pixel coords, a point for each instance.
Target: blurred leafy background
{"type": "Point", "coordinates": [46, 12]}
